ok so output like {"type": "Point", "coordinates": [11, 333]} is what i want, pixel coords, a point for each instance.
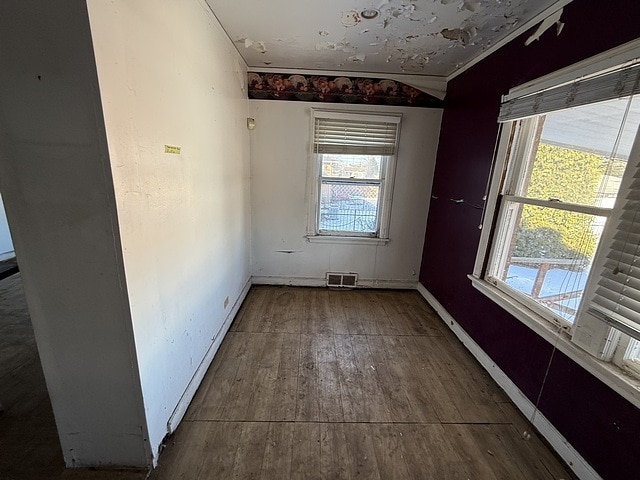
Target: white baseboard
{"type": "Point", "coordinates": [575, 461]}
{"type": "Point", "coordinates": [391, 284]}
{"type": "Point", "coordinates": [322, 282]}
{"type": "Point", "coordinates": [194, 383]}
{"type": "Point", "coordinates": [292, 281]}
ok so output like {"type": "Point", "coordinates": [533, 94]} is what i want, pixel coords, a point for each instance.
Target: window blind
{"type": "Point", "coordinates": [344, 135]}
{"type": "Point", "coordinates": [617, 83]}
{"type": "Point", "coordinates": [617, 297]}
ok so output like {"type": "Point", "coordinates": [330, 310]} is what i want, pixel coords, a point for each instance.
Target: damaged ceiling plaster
{"type": "Point", "coordinates": [419, 37]}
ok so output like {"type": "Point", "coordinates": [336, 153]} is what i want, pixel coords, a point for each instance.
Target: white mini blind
{"type": "Point", "coordinates": [356, 135]}
{"type": "Point", "coordinates": [617, 298]}
{"type": "Point", "coordinates": [618, 83]}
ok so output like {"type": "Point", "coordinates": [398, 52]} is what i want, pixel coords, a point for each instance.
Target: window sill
{"type": "Point", "coordinates": [347, 240]}
{"type": "Point", "coordinates": [613, 376]}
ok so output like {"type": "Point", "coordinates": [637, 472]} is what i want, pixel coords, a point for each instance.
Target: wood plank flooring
{"type": "Point", "coordinates": [308, 384]}
{"type": "Point", "coordinates": [319, 384]}
{"type": "Point", "coordinates": [29, 445]}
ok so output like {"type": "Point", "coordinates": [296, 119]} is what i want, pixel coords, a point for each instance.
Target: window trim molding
{"type": "Point", "coordinates": [564, 206]}
{"type": "Point", "coordinates": [507, 135]}
{"type": "Point", "coordinates": [528, 304]}
{"type": "Point", "coordinates": [346, 239]}
{"type": "Point", "coordinates": [381, 237]}
{"type": "Point", "coordinates": [611, 375]}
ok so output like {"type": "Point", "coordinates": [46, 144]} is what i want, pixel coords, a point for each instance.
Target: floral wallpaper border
{"type": "Point", "coordinates": [314, 88]}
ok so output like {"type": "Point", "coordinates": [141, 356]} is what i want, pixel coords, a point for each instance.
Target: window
{"type": "Point", "coordinates": [564, 212]}
{"type": "Point", "coordinates": [561, 183]}
{"type": "Point", "coordinates": [353, 162]}
{"type": "Point", "coordinates": [627, 355]}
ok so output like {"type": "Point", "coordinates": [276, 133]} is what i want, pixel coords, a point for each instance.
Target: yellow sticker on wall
{"type": "Point", "coordinates": [172, 149]}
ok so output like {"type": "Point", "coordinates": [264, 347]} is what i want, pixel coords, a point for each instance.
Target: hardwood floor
{"type": "Point", "coordinates": [29, 446]}
{"type": "Point", "coordinates": [320, 384]}
{"type": "Point", "coordinates": [309, 383]}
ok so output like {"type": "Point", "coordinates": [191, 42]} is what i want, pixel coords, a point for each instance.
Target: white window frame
{"type": "Point", "coordinates": [517, 158]}
{"type": "Point", "coordinates": [386, 183]}
{"type": "Point", "coordinates": [622, 353]}
{"type": "Point", "coordinates": [597, 347]}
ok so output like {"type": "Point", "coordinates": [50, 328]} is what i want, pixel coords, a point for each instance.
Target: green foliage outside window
{"type": "Point", "coordinates": [570, 176]}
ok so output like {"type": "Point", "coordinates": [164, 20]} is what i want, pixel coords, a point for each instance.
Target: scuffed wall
{"type": "Point", "coordinates": [57, 187]}
{"type": "Point", "coordinates": [173, 90]}
{"type": "Point", "coordinates": [280, 150]}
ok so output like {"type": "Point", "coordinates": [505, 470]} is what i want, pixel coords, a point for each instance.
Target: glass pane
{"type": "Point", "coordinates": [348, 207]}
{"type": "Point", "coordinates": [548, 255]}
{"type": "Point", "coordinates": [582, 152]}
{"type": "Point", "coordinates": [362, 167]}
{"type": "Point", "coordinates": [633, 351]}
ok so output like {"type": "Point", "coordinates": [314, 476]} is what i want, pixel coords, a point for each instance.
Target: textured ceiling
{"type": "Point", "coordinates": [418, 37]}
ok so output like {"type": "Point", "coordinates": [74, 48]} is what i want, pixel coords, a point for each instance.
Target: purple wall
{"type": "Point", "coordinates": [601, 425]}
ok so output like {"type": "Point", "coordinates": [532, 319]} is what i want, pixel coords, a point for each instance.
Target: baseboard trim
{"type": "Point", "coordinates": [322, 282]}
{"type": "Point", "coordinates": [292, 281]}
{"type": "Point", "coordinates": [390, 284]}
{"type": "Point", "coordinates": [196, 379]}
{"type": "Point", "coordinates": [579, 465]}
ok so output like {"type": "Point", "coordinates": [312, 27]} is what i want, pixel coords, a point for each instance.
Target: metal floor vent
{"type": "Point", "coordinates": [342, 280]}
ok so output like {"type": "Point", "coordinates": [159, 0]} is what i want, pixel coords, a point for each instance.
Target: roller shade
{"type": "Point", "coordinates": [617, 298]}
{"type": "Point", "coordinates": [617, 83]}
{"type": "Point", "coordinates": [352, 135]}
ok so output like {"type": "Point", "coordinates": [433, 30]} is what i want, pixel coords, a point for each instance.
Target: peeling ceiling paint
{"type": "Point", "coordinates": [418, 37]}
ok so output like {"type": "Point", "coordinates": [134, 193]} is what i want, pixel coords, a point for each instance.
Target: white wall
{"type": "Point", "coordinates": [168, 74]}
{"type": "Point", "coordinates": [6, 243]}
{"type": "Point", "coordinates": [279, 161]}
{"type": "Point", "coordinates": [57, 188]}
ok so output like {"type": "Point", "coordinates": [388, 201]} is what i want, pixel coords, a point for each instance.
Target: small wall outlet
{"type": "Point", "coordinates": [226, 302]}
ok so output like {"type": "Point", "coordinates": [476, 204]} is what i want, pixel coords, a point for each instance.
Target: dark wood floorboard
{"type": "Point", "coordinates": [308, 384]}
{"type": "Point", "coordinates": [312, 383]}
{"type": "Point", "coordinates": [29, 445]}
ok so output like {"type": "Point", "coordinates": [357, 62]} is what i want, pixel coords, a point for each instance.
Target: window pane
{"type": "Point", "coordinates": [582, 153]}
{"type": "Point", "coordinates": [633, 352]}
{"type": "Point", "coordinates": [547, 255]}
{"type": "Point", "coordinates": [362, 167]}
{"type": "Point", "coordinates": [348, 207]}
